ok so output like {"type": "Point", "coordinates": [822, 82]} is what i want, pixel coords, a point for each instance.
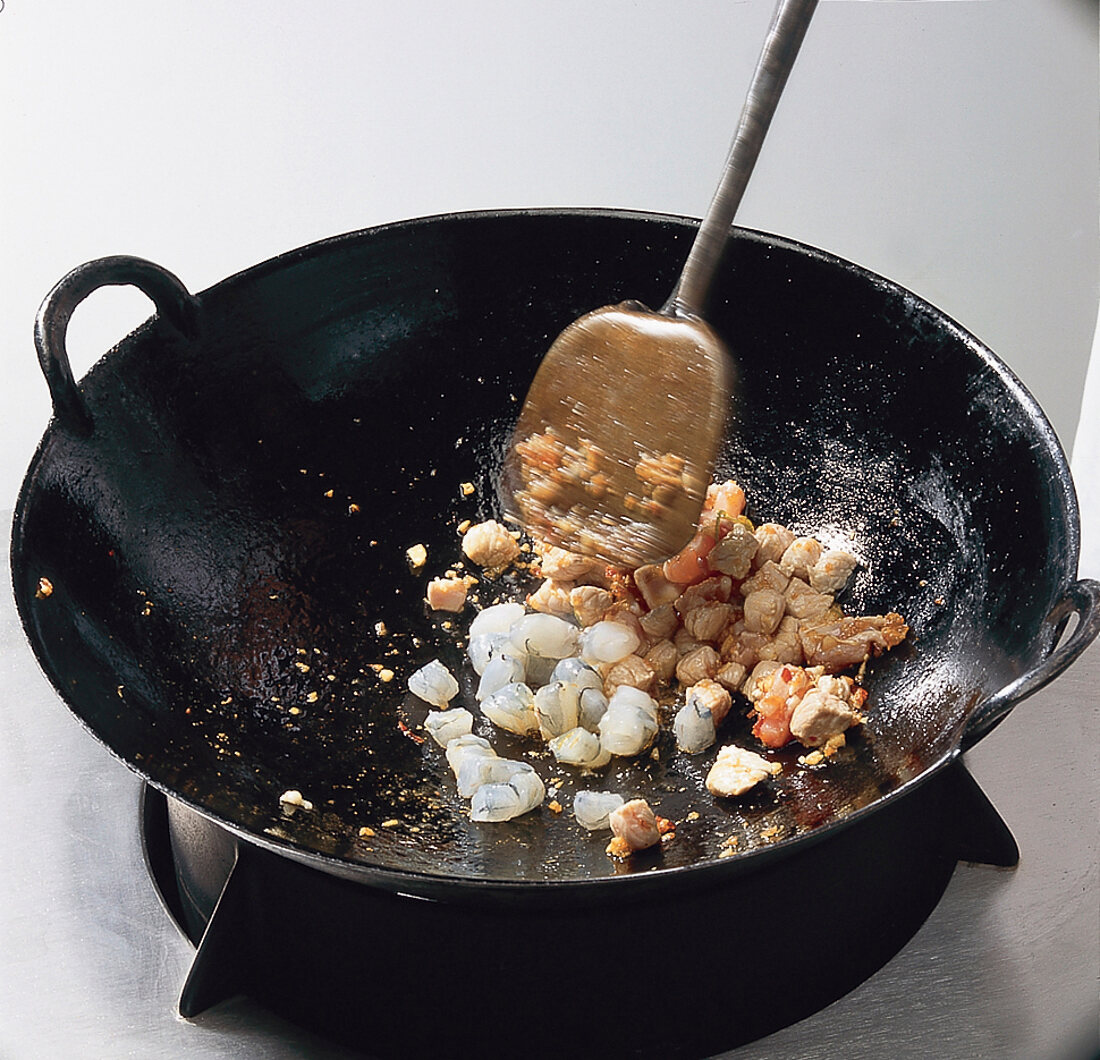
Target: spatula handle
{"type": "Point", "coordinates": [788, 28]}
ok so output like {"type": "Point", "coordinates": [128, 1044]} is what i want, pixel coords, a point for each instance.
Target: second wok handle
{"type": "Point", "coordinates": [788, 28]}
{"type": "Point", "coordinates": [1082, 599]}
{"type": "Point", "coordinates": [173, 301]}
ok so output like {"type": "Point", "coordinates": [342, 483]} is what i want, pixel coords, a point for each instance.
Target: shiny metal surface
{"type": "Point", "coordinates": [1006, 967]}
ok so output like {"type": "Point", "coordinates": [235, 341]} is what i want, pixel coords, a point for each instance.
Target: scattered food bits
{"type": "Point", "coordinates": [329, 493]}
{"type": "Point", "coordinates": [464, 526]}
{"type": "Point", "coordinates": [303, 667]}
{"type": "Point", "coordinates": [353, 509]}
{"type": "Point", "coordinates": [386, 675]}
{"type": "Point", "coordinates": [367, 833]}
{"type": "Point", "coordinates": [417, 556]}
{"type": "Point", "coordinates": [393, 822]}
{"type": "Point", "coordinates": [45, 588]}
{"type": "Point", "coordinates": [312, 697]}
{"type": "Point", "coordinates": [554, 806]}
{"type": "Point", "coordinates": [291, 801]}
{"type": "Point", "coordinates": [447, 594]}
{"type": "Point", "coordinates": [380, 629]}
{"type": "Point", "coordinates": [489, 544]}
{"type": "Point", "coordinates": [467, 488]}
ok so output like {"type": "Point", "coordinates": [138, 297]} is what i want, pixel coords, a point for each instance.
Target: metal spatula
{"type": "Point", "coordinates": [618, 436]}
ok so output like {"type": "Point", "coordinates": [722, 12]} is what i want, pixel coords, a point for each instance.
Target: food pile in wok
{"type": "Point", "coordinates": [596, 661]}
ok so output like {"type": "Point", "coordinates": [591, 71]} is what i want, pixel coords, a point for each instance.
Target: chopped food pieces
{"type": "Point", "coordinates": [593, 809]}
{"type": "Point", "coordinates": [447, 594]}
{"type": "Point", "coordinates": [634, 826]}
{"type": "Point", "coordinates": [291, 801]}
{"type": "Point", "coordinates": [736, 770]}
{"type": "Point", "coordinates": [596, 661]}
{"type": "Point", "coordinates": [434, 684]}
{"type": "Point", "coordinates": [490, 545]}
{"type": "Point", "coordinates": [417, 555]}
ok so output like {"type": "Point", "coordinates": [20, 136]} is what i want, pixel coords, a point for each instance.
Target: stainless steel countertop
{"type": "Point", "coordinates": [1006, 968]}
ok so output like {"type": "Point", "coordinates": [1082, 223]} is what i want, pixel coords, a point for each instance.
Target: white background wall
{"type": "Point", "coordinates": [949, 145]}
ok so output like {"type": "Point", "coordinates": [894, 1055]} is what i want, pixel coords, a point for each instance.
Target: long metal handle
{"type": "Point", "coordinates": [789, 24]}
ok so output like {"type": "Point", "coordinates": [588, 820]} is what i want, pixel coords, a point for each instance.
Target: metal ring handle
{"type": "Point", "coordinates": [1082, 598]}
{"type": "Point", "coordinates": [173, 301]}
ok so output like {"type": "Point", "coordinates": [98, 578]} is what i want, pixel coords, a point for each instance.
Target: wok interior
{"type": "Point", "coordinates": [225, 545]}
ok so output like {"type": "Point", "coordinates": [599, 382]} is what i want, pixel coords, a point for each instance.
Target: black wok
{"type": "Point", "coordinates": [222, 507]}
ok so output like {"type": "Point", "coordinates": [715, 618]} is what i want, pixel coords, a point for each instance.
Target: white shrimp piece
{"type": "Point", "coordinates": [434, 684]}
{"type": "Point", "coordinates": [608, 642]}
{"type": "Point", "coordinates": [557, 707]}
{"type": "Point", "coordinates": [593, 808]}
{"type": "Point", "coordinates": [694, 726]}
{"type": "Point", "coordinates": [579, 747]}
{"type": "Point", "coordinates": [446, 725]}
{"type": "Point", "coordinates": [576, 672]}
{"type": "Point", "coordinates": [592, 705]}
{"type": "Point", "coordinates": [484, 646]}
{"type": "Point", "coordinates": [463, 747]}
{"type": "Point", "coordinates": [512, 708]}
{"type": "Point", "coordinates": [545, 635]}
{"type": "Point", "coordinates": [538, 670]}
{"type": "Point", "coordinates": [501, 670]}
{"type": "Point", "coordinates": [522, 792]}
{"type": "Point", "coordinates": [499, 618]}
{"type": "Point", "coordinates": [476, 770]}
{"type": "Point", "coordinates": [832, 571]}
{"type": "Point", "coordinates": [489, 544]}
{"type": "Point", "coordinates": [628, 725]}
{"type": "Point", "coordinates": [635, 824]}
{"type": "Point", "coordinates": [736, 770]}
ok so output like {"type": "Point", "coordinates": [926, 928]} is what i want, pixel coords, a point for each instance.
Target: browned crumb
{"type": "Point", "coordinates": [618, 848]}
{"type": "Point", "coordinates": [45, 588]}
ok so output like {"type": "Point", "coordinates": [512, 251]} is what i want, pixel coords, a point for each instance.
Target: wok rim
{"type": "Point", "coordinates": [448, 886]}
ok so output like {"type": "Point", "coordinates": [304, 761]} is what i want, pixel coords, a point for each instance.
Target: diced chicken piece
{"type": "Point", "coordinates": [660, 623]}
{"type": "Point", "coordinates": [635, 824]}
{"type": "Point", "coordinates": [685, 642]}
{"type": "Point", "coordinates": [846, 641]}
{"type": "Point", "coordinates": [763, 611]}
{"type": "Point", "coordinates": [489, 544]}
{"type": "Point", "coordinates": [799, 556]}
{"type": "Point", "coordinates": [774, 540]}
{"type": "Point", "coordinates": [731, 676]}
{"type": "Point", "coordinates": [832, 571]}
{"type": "Point", "coordinates": [803, 601]}
{"type": "Point", "coordinates": [714, 696]}
{"type": "Point", "coordinates": [569, 566]}
{"type": "Point", "coordinates": [633, 671]}
{"type": "Point", "coordinates": [716, 588]}
{"type": "Point", "coordinates": [768, 576]}
{"type": "Point", "coordinates": [696, 665]}
{"type": "Point", "coordinates": [785, 644]}
{"type": "Point", "coordinates": [743, 647]}
{"type": "Point", "coordinates": [662, 657]}
{"type": "Point", "coordinates": [447, 594]}
{"type": "Point", "coordinates": [821, 715]}
{"type": "Point", "coordinates": [733, 555]}
{"type": "Point", "coordinates": [655, 588]}
{"type": "Point", "coordinates": [736, 770]}
{"type": "Point", "coordinates": [589, 603]}
{"type": "Point", "coordinates": [552, 597]}
{"type": "Point", "coordinates": [707, 621]}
